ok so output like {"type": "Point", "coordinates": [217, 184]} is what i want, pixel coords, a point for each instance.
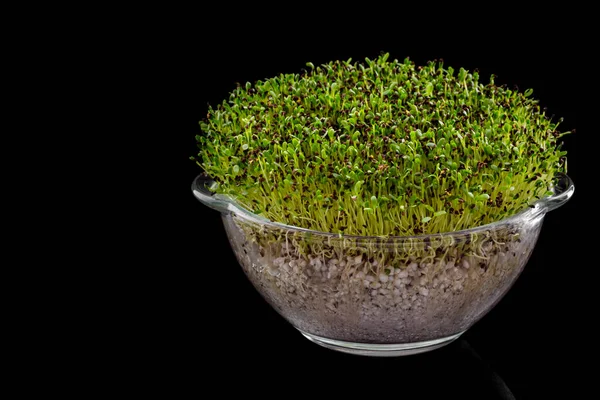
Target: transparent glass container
{"type": "Point", "coordinates": [381, 296]}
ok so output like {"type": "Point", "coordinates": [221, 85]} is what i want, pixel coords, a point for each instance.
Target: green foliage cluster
{"type": "Point", "coordinates": [381, 148]}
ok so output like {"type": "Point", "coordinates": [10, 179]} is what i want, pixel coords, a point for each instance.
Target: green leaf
{"type": "Point", "coordinates": [357, 186]}
{"type": "Point", "coordinates": [429, 89]}
{"type": "Point", "coordinates": [439, 213]}
{"type": "Point", "coordinates": [426, 219]}
{"type": "Point", "coordinates": [482, 197]}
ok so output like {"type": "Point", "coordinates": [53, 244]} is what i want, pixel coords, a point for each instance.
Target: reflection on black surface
{"type": "Point", "coordinates": [454, 371]}
{"type": "Point", "coordinates": [285, 365]}
{"type": "Point", "coordinates": [488, 378]}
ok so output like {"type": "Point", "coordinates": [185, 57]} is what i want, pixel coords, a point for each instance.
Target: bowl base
{"type": "Point", "coordinates": [381, 350]}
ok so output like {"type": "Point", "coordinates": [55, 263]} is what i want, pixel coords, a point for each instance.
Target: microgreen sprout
{"type": "Point", "coordinates": [381, 148]}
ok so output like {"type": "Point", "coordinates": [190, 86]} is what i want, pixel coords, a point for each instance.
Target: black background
{"type": "Point", "coordinates": [526, 342]}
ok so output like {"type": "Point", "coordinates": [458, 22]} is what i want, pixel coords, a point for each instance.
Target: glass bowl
{"type": "Point", "coordinates": [379, 296]}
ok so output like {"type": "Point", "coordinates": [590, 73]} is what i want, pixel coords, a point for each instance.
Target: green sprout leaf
{"type": "Point", "coordinates": [482, 197]}
{"type": "Point", "coordinates": [429, 89]}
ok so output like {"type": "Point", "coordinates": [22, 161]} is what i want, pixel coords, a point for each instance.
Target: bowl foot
{"type": "Point", "coordinates": [381, 350]}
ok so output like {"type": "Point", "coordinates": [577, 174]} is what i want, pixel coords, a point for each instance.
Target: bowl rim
{"type": "Point", "coordinates": [563, 191]}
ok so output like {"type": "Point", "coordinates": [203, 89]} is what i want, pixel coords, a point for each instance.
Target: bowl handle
{"type": "Point", "coordinates": [201, 189]}
{"type": "Point", "coordinates": [563, 191]}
